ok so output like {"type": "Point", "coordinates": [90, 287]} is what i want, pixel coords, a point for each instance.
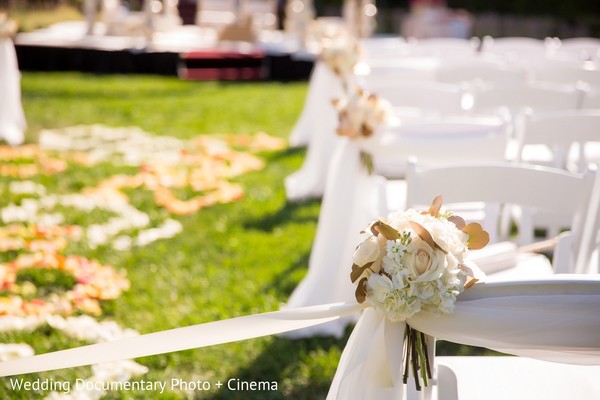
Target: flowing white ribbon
{"type": "Point", "coordinates": [196, 336]}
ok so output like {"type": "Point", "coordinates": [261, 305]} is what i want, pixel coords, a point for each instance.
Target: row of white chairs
{"type": "Point", "coordinates": [464, 158]}
{"type": "Point", "coordinates": [445, 127]}
{"type": "Point", "coordinates": [573, 49]}
{"type": "Point", "coordinates": [421, 102]}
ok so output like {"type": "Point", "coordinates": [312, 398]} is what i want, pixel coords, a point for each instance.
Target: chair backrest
{"type": "Point", "coordinates": [384, 47]}
{"type": "Point", "coordinates": [559, 131]}
{"type": "Point", "coordinates": [517, 48]}
{"type": "Point", "coordinates": [580, 49]}
{"type": "Point", "coordinates": [565, 72]}
{"type": "Point", "coordinates": [439, 141]}
{"type": "Point", "coordinates": [425, 95]}
{"type": "Point", "coordinates": [444, 47]}
{"type": "Point", "coordinates": [535, 189]}
{"type": "Point", "coordinates": [478, 70]}
{"type": "Point", "coordinates": [519, 97]}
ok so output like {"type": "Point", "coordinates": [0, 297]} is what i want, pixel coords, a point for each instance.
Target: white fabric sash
{"type": "Point", "coordinates": [557, 319]}
{"type": "Point", "coordinates": [196, 336]}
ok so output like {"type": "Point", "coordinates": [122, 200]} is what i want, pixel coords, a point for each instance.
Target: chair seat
{"type": "Point", "coordinates": [514, 378]}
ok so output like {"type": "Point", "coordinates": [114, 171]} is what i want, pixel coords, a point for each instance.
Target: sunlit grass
{"type": "Point", "coordinates": [230, 260]}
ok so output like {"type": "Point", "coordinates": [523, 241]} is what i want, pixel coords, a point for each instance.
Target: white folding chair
{"type": "Point", "coordinates": [580, 49]}
{"type": "Point", "coordinates": [535, 189]}
{"type": "Point", "coordinates": [384, 47]}
{"type": "Point", "coordinates": [479, 70]}
{"type": "Point", "coordinates": [440, 140]}
{"type": "Point", "coordinates": [427, 96]}
{"type": "Point", "coordinates": [518, 378]}
{"type": "Point", "coordinates": [514, 99]}
{"type": "Point", "coordinates": [444, 47]}
{"type": "Point", "coordinates": [560, 139]}
{"type": "Point", "coordinates": [518, 48]}
{"type": "Point", "coordinates": [565, 72]}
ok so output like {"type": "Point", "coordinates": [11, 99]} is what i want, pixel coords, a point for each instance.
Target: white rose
{"type": "Point", "coordinates": [424, 262]}
{"type": "Point", "coordinates": [368, 251]}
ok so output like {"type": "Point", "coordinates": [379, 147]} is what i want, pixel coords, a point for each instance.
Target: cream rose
{"type": "Point", "coordinates": [368, 251]}
{"type": "Point", "coordinates": [424, 262]}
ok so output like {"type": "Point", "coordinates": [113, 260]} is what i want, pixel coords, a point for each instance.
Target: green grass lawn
{"type": "Point", "coordinates": [230, 260]}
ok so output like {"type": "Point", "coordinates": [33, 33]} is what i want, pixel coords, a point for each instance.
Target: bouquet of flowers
{"type": "Point", "coordinates": [336, 46]}
{"type": "Point", "coordinates": [414, 262]}
{"type": "Point", "coordinates": [361, 113]}
{"type": "Point", "coordinates": [8, 27]}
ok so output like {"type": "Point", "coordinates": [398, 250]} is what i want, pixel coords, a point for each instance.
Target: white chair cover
{"type": "Point", "coordinates": [555, 320]}
{"type": "Point", "coordinates": [320, 124]}
{"type": "Point", "coordinates": [12, 118]}
{"type": "Point", "coordinates": [347, 207]}
{"type": "Point", "coordinates": [319, 88]}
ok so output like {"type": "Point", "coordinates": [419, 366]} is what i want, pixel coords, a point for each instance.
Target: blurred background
{"type": "Point", "coordinates": [497, 18]}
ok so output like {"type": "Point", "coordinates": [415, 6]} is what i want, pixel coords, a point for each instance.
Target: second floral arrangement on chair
{"type": "Point", "coordinates": [416, 261]}
{"type": "Point", "coordinates": [361, 113]}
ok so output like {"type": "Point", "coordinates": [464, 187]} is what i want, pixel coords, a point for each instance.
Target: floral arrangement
{"type": "Point", "coordinates": [361, 113]}
{"type": "Point", "coordinates": [416, 262]}
{"type": "Point", "coordinates": [341, 55]}
{"type": "Point", "coordinates": [336, 46]}
{"type": "Point", "coordinates": [8, 27]}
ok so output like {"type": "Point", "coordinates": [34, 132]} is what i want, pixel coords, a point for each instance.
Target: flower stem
{"type": "Point", "coordinates": [406, 354]}
{"type": "Point", "coordinates": [415, 359]}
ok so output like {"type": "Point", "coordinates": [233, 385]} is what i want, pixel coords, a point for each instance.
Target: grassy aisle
{"type": "Point", "coordinates": [230, 260]}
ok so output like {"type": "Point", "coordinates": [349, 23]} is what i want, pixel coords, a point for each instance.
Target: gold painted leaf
{"type": "Point", "coordinates": [361, 293]}
{"type": "Point", "coordinates": [478, 238]}
{"type": "Point", "coordinates": [436, 205]}
{"type": "Point", "coordinates": [458, 221]}
{"type": "Point", "coordinates": [424, 234]}
{"type": "Point", "coordinates": [470, 282]}
{"type": "Point", "coordinates": [358, 271]}
{"type": "Point", "coordinates": [387, 231]}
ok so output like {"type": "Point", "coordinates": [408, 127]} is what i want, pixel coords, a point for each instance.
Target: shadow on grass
{"type": "Point", "coordinates": [285, 282]}
{"type": "Point", "coordinates": [285, 153]}
{"type": "Point", "coordinates": [282, 362]}
{"type": "Point", "coordinates": [290, 212]}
